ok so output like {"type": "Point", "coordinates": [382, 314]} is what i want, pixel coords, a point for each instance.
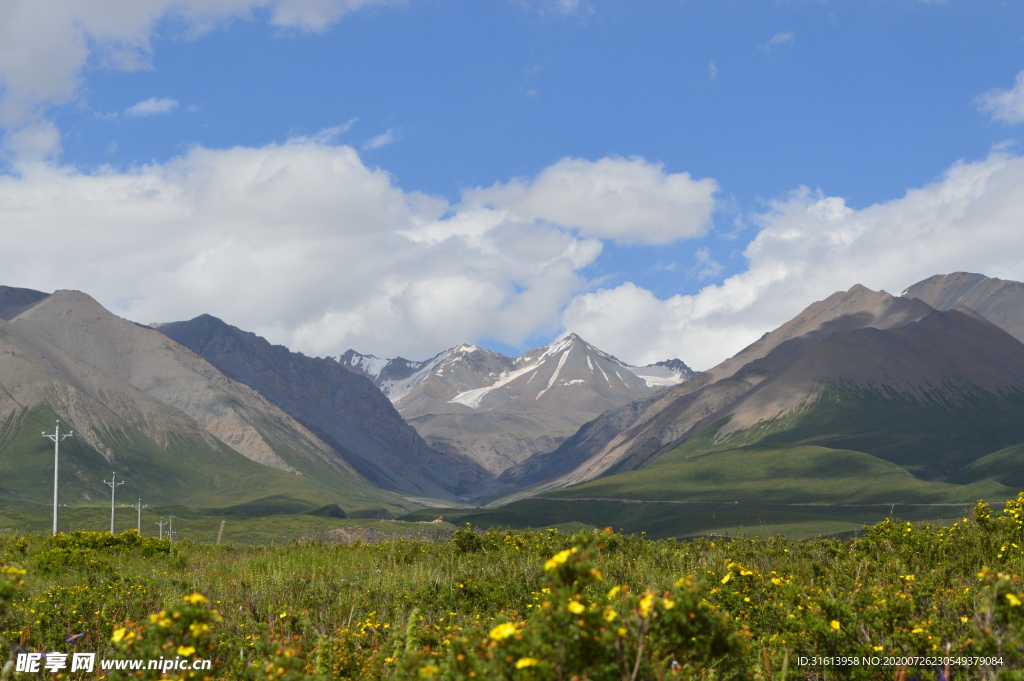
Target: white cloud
{"type": "Point", "coordinates": [809, 246]}
{"type": "Point", "coordinates": [712, 70]}
{"type": "Point", "coordinates": [33, 143]}
{"type": "Point", "coordinates": [301, 242]}
{"type": "Point", "coordinates": [313, 15]}
{"type": "Point", "coordinates": [570, 6]}
{"type": "Point", "coordinates": [45, 45]}
{"type": "Point", "coordinates": [152, 107]}
{"type": "Point", "coordinates": [706, 267]}
{"type": "Point", "coordinates": [326, 136]}
{"type": "Point", "coordinates": [778, 40]}
{"type": "Point", "coordinates": [381, 140]}
{"type": "Point", "coordinates": [1005, 105]}
{"type": "Point", "coordinates": [627, 200]}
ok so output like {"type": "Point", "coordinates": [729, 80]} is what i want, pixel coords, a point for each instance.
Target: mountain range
{"type": "Point", "coordinates": [863, 397]}
{"type": "Point", "coordinates": [500, 411]}
{"type": "Point", "coordinates": [147, 408]}
{"type": "Point", "coordinates": [861, 376]}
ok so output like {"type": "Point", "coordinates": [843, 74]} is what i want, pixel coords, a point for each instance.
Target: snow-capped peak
{"type": "Point", "coordinates": [466, 375]}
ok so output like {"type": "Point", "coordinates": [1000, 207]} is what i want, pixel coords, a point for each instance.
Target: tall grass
{"type": "Point", "coordinates": [541, 604]}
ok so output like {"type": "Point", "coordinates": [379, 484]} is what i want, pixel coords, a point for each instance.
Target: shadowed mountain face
{"type": "Point", "coordinates": [148, 408]}
{"type": "Point", "coordinates": [14, 300]}
{"type": "Point", "coordinates": [1001, 302]}
{"type": "Point", "coordinates": [345, 410]}
{"type": "Point", "coordinates": [499, 410]}
{"type": "Point", "coordinates": [862, 370]}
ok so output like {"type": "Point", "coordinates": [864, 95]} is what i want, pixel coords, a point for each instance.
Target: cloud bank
{"type": "Point", "coordinates": [810, 245]}
{"type": "Point", "coordinates": [628, 201]}
{"type": "Point", "coordinates": [303, 243]}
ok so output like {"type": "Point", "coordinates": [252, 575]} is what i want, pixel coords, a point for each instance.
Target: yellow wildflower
{"type": "Point", "coordinates": [558, 559]}
{"type": "Point", "coordinates": [646, 604]}
{"type": "Point", "coordinates": [503, 631]}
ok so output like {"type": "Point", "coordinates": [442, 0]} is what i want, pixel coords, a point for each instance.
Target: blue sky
{"type": "Point", "coordinates": [666, 178]}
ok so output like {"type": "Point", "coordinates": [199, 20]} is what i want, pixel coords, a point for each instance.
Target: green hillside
{"type": "Point", "coordinates": [932, 436]}
{"type": "Point", "coordinates": [660, 519]}
{"type": "Point", "coordinates": [850, 458]}
{"type": "Point", "coordinates": [799, 474]}
{"type": "Point", "coordinates": [1005, 467]}
{"type": "Point", "coordinates": [184, 472]}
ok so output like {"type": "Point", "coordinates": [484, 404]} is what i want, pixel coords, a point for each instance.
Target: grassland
{"type": "Point", "coordinates": [535, 605]}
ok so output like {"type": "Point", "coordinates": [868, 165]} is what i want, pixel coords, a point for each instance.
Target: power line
{"type": "Point", "coordinates": [28, 411]}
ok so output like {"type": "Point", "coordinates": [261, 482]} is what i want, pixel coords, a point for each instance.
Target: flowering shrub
{"type": "Point", "coordinates": [578, 628]}
{"type": "Point", "coordinates": [184, 630]}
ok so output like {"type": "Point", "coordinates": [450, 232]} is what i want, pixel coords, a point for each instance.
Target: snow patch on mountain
{"type": "Point", "coordinates": [472, 398]}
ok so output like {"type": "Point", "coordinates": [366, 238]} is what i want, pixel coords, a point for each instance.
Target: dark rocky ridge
{"type": "Point", "coordinates": [344, 409]}
{"type": "Point", "coordinates": [14, 300]}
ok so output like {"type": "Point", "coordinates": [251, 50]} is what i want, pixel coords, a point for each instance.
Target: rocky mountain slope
{"type": "Point", "coordinates": [862, 371]}
{"type": "Point", "coordinates": [500, 411]}
{"type": "Point", "coordinates": [147, 407]}
{"type": "Point", "coordinates": [344, 409]}
{"type": "Point", "coordinates": [997, 300]}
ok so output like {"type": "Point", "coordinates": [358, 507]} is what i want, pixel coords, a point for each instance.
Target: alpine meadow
{"type": "Point", "coordinates": [563, 340]}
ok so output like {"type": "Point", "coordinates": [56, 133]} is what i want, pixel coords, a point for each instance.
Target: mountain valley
{"type": "Point", "coordinates": [862, 399]}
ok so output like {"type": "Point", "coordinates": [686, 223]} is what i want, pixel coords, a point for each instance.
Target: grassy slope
{"type": "Point", "coordinates": [930, 438]}
{"type": "Point", "coordinates": [801, 474]}
{"type": "Point", "coordinates": [184, 472]}
{"type": "Point", "coordinates": [255, 526]}
{"type": "Point", "coordinates": [661, 519]}
{"type": "Point", "coordinates": [851, 448]}
{"type": "Point", "coordinates": [800, 458]}
{"type": "Point", "coordinates": [1005, 466]}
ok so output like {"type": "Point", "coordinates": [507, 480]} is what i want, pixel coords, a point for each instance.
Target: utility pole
{"type": "Point", "coordinates": [161, 524]}
{"type": "Point", "coordinates": [113, 487]}
{"type": "Point", "coordinates": [138, 507]}
{"type": "Point", "coordinates": [170, 527]}
{"type": "Point", "coordinates": [56, 437]}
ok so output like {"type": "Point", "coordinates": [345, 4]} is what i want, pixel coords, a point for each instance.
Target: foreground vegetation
{"type": "Point", "coordinates": [900, 601]}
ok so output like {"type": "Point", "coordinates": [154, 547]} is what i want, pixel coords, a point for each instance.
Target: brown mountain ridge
{"type": "Point", "coordinates": [863, 370]}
